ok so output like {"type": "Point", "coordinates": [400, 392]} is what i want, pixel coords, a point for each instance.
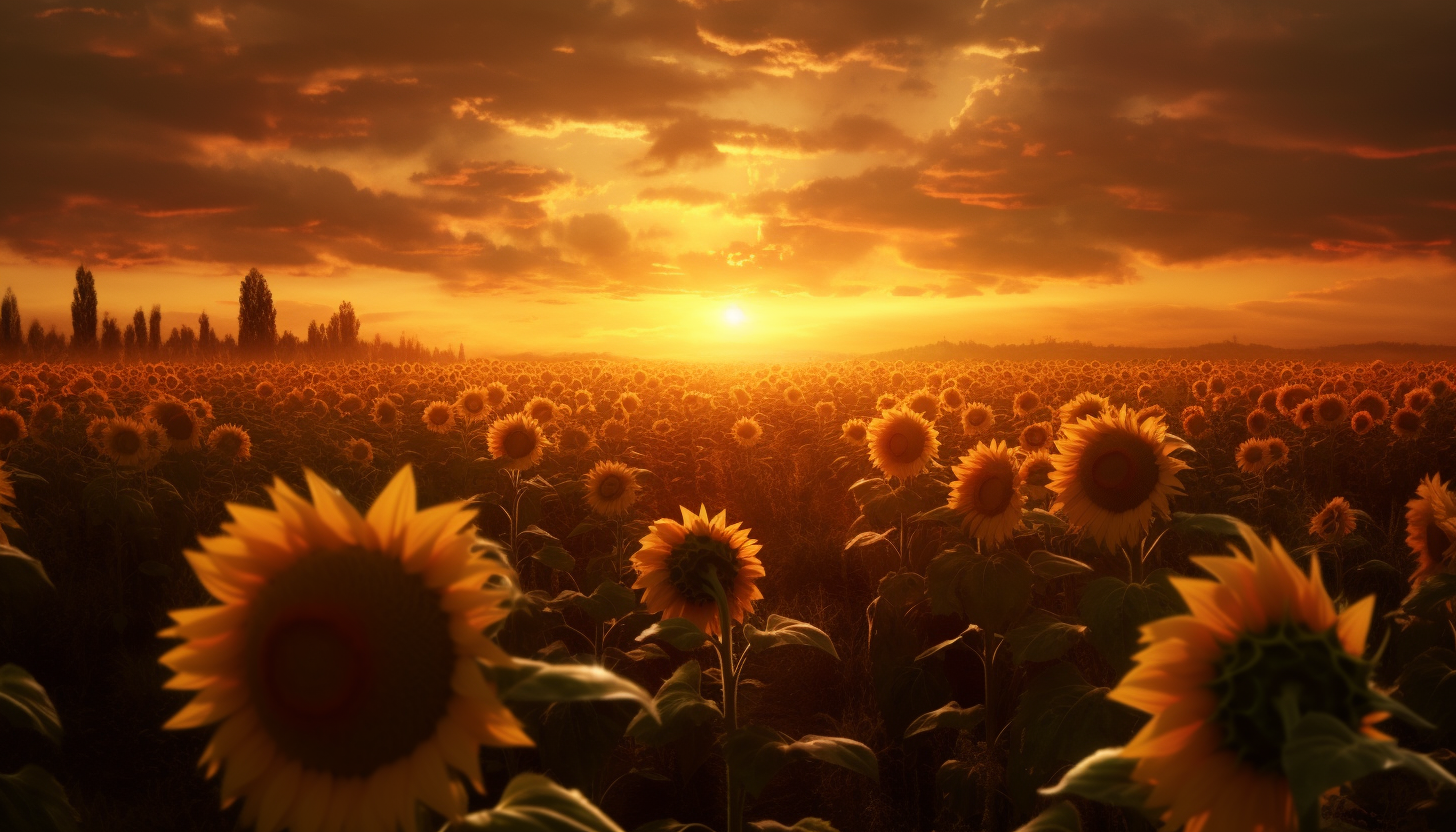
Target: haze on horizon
{"type": "Point", "coordinates": [742, 179]}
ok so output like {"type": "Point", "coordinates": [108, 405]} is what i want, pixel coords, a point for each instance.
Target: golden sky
{"type": "Point", "coordinates": [753, 178]}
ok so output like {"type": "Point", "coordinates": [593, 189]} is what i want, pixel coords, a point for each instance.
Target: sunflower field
{"type": "Point", "coordinates": [672, 597]}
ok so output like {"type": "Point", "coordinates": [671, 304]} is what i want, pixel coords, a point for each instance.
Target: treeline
{"type": "Point", "coordinates": [105, 338]}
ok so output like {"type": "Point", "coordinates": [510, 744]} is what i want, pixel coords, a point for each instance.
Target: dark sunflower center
{"type": "Point", "coordinates": [994, 494]}
{"type": "Point", "coordinates": [474, 403]}
{"type": "Point", "coordinates": [688, 565]}
{"type": "Point", "coordinates": [1253, 453]}
{"type": "Point", "coordinates": [229, 443]}
{"type": "Point", "coordinates": [439, 416]}
{"type": "Point", "coordinates": [745, 431]}
{"type": "Point", "coordinates": [1119, 472]}
{"type": "Point", "coordinates": [975, 418]}
{"type": "Point", "coordinates": [541, 412]}
{"type": "Point", "coordinates": [126, 442]}
{"type": "Point", "coordinates": [349, 661]}
{"type": "Point", "coordinates": [906, 446]}
{"type": "Point", "coordinates": [610, 487]}
{"type": "Point", "coordinates": [179, 426]}
{"type": "Point", "coordinates": [1035, 437]}
{"type": "Point", "coordinates": [519, 443]}
{"type": "Point", "coordinates": [1256, 669]}
{"type": "Point", "coordinates": [361, 451]}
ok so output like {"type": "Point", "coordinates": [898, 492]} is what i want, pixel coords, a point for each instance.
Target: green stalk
{"type": "Point", "coordinates": [730, 699]}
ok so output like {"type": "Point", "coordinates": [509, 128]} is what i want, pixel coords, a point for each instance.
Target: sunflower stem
{"type": "Point", "coordinates": [991, 811]}
{"type": "Point", "coordinates": [726, 664]}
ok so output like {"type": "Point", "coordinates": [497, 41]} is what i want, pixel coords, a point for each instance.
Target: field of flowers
{"type": "Point", "coordinates": [681, 597]}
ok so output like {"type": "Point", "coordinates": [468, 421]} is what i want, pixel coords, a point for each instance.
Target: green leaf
{"type": "Point", "coordinates": [779, 631]}
{"type": "Point", "coordinates": [609, 601]}
{"type": "Point", "coordinates": [679, 632]}
{"type": "Point", "coordinates": [1048, 566]}
{"type": "Point", "coordinates": [1221, 525]}
{"type": "Point", "coordinates": [1041, 517]}
{"type": "Point", "coordinates": [951, 715]}
{"type": "Point", "coordinates": [1429, 600]}
{"type": "Point", "coordinates": [586, 526]}
{"type": "Point", "coordinates": [22, 578]}
{"type": "Point", "coordinates": [554, 556]}
{"type": "Point", "coordinates": [541, 682]}
{"type": "Point", "coordinates": [25, 705]}
{"type": "Point", "coordinates": [939, 514]}
{"type": "Point", "coordinates": [1115, 611]}
{"type": "Point", "coordinates": [1427, 684]}
{"type": "Point", "coordinates": [1106, 777]}
{"type": "Point", "coordinates": [680, 705]}
{"type": "Point", "coordinates": [1322, 753]}
{"type": "Point", "coordinates": [756, 753]}
{"type": "Point", "coordinates": [989, 590]}
{"type": "Point", "coordinates": [644, 653]}
{"type": "Point", "coordinates": [532, 803]}
{"type": "Point", "coordinates": [961, 786]}
{"type": "Point", "coordinates": [867, 539]}
{"type": "Point", "coordinates": [1060, 818]}
{"type": "Point", "coordinates": [802, 825]}
{"type": "Point", "coordinates": [672, 825]}
{"type": "Point", "coordinates": [901, 589]}
{"type": "Point", "coordinates": [1042, 637]}
{"type": "Point", "coordinates": [32, 801]}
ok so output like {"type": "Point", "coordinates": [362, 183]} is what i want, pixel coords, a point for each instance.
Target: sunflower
{"type": "Point", "coordinates": [125, 442]}
{"type": "Point", "coordinates": [977, 419]}
{"type": "Point", "coordinates": [1035, 437]}
{"type": "Point", "coordinates": [1258, 422]}
{"type": "Point", "coordinates": [854, 431]}
{"type": "Point", "coordinates": [342, 662]}
{"type": "Point", "coordinates": [1430, 527]}
{"type": "Point", "coordinates": [987, 492]}
{"type": "Point", "coordinates": [746, 432]}
{"type": "Point", "coordinates": [824, 410]}
{"type": "Point", "coordinates": [1152, 411]}
{"type": "Point", "coordinates": [1036, 472]}
{"type": "Point", "coordinates": [1406, 422]}
{"type": "Point", "coordinates": [1334, 521]}
{"type": "Point", "coordinates": [1276, 451]}
{"type": "Point", "coordinates": [1195, 422]}
{"type": "Point", "coordinates": [1331, 410]}
{"type": "Point", "coordinates": [614, 430]}
{"type": "Point", "coordinates": [12, 427]}
{"type": "Point", "coordinates": [1252, 456]}
{"type": "Point", "coordinates": [541, 409]}
{"type": "Point", "coordinates": [184, 429]}
{"type": "Point", "coordinates": [574, 440]}
{"type": "Point", "coordinates": [1025, 404]}
{"type": "Point", "coordinates": [1291, 396]}
{"type": "Point", "coordinates": [902, 443]}
{"type": "Point", "coordinates": [386, 412]}
{"type": "Point", "coordinates": [951, 400]}
{"type": "Point", "coordinates": [517, 439]}
{"type": "Point", "coordinates": [924, 402]}
{"type": "Point", "coordinates": [230, 442]}
{"type": "Point", "coordinates": [439, 417]}
{"type": "Point", "coordinates": [472, 405]}
{"type": "Point", "coordinates": [1113, 473]}
{"type": "Point", "coordinates": [1373, 403]}
{"type": "Point", "coordinates": [1418, 399]}
{"type": "Point", "coordinates": [662, 427]}
{"type": "Point", "coordinates": [1213, 682]}
{"type": "Point", "coordinates": [1085, 404]}
{"type": "Point", "coordinates": [359, 452]}
{"type": "Point", "coordinates": [611, 488]}
{"type": "Point", "coordinates": [496, 395]}
{"type": "Point", "coordinates": [674, 562]}
{"type": "Point", "coordinates": [886, 401]}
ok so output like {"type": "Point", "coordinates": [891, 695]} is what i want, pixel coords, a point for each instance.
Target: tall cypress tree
{"type": "Point", "coordinates": [11, 340]}
{"type": "Point", "coordinates": [257, 319]}
{"type": "Point", "coordinates": [154, 332]}
{"type": "Point", "coordinates": [83, 312]}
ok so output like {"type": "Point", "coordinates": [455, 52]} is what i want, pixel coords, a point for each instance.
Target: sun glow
{"type": "Point", "coordinates": [734, 316]}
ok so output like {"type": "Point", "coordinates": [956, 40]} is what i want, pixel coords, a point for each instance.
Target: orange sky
{"type": "Point", "coordinates": [851, 176]}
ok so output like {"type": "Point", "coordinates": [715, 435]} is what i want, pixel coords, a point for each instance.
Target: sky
{"type": "Point", "coordinates": [742, 179]}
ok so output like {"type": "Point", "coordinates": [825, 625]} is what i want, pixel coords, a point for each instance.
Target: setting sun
{"type": "Point", "coordinates": [734, 316]}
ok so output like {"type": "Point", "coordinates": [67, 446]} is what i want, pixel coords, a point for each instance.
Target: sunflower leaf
{"type": "Point", "coordinates": [672, 825]}
{"type": "Point", "coordinates": [1323, 753]}
{"type": "Point", "coordinates": [779, 631]}
{"type": "Point", "coordinates": [533, 803]}
{"type": "Point", "coordinates": [1062, 817]}
{"type": "Point", "coordinates": [22, 578]}
{"type": "Point", "coordinates": [680, 705]}
{"type": "Point", "coordinates": [950, 715]}
{"type": "Point", "coordinates": [556, 557]}
{"type": "Point", "coordinates": [541, 682]}
{"type": "Point", "coordinates": [756, 753]}
{"type": "Point", "coordinates": [802, 825]}
{"type": "Point", "coordinates": [32, 800]}
{"type": "Point", "coordinates": [1430, 598]}
{"type": "Point", "coordinates": [1106, 777]}
{"type": "Point", "coordinates": [989, 590]}
{"type": "Point", "coordinates": [1115, 611]}
{"type": "Point", "coordinates": [1042, 637]}
{"type": "Point", "coordinates": [1222, 525]}
{"type": "Point", "coordinates": [25, 705]}
{"type": "Point", "coordinates": [1048, 566]}
{"type": "Point", "coordinates": [868, 539]}
{"type": "Point", "coordinates": [678, 632]}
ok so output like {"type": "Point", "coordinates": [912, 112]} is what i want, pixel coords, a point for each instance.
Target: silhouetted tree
{"type": "Point", "coordinates": [11, 341]}
{"type": "Point", "coordinates": [35, 337]}
{"type": "Point", "coordinates": [154, 329]}
{"type": "Point", "coordinates": [110, 337]}
{"type": "Point", "coordinates": [315, 336]}
{"type": "Point", "coordinates": [343, 329]}
{"type": "Point", "coordinates": [257, 319]}
{"type": "Point", "coordinates": [206, 335]}
{"type": "Point", "coordinates": [128, 340]}
{"type": "Point", "coordinates": [83, 312]}
{"type": "Point", "coordinates": [139, 328]}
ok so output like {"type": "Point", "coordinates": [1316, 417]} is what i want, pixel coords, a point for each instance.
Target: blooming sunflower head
{"type": "Point", "coordinates": [541, 409]}
{"type": "Point", "coordinates": [1035, 437]}
{"type": "Point", "coordinates": [902, 443]}
{"type": "Point", "coordinates": [230, 442]}
{"type": "Point", "coordinates": [1036, 474]}
{"type": "Point", "coordinates": [12, 427]}
{"type": "Point", "coordinates": [517, 440]}
{"type": "Point", "coordinates": [438, 417]}
{"type": "Point", "coordinates": [1334, 521]}
{"type": "Point", "coordinates": [614, 430]}
{"type": "Point", "coordinates": [1430, 527]}
{"type": "Point", "coordinates": [1260, 639]}
{"type": "Point", "coordinates": [1406, 422]}
{"type": "Point", "coordinates": [746, 432]}
{"type": "Point", "coordinates": [1084, 405]}
{"type": "Point", "coordinates": [1252, 456]}
{"type": "Point", "coordinates": [854, 431]}
{"type": "Point", "coordinates": [1331, 410]}
{"type": "Point", "coordinates": [125, 442]}
{"type": "Point", "coordinates": [1258, 422]}
{"type": "Point", "coordinates": [611, 488]}
{"type": "Point", "coordinates": [341, 665]}
{"type": "Point", "coordinates": [1112, 473]}
{"type": "Point", "coordinates": [676, 560]}
{"type": "Point", "coordinates": [824, 410]}
{"type": "Point", "coordinates": [1025, 403]}
{"type": "Point", "coordinates": [184, 429]}
{"type": "Point", "coordinates": [977, 418]}
{"type": "Point", "coordinates": [496, 395]}
{"type": "Point", "coordinates": [923, 402]}
{"type": "Point", "coordinates": [472, 405]}
{"type": "Point", "coordinates": [987, 492]}
{"type": "Point", "coordinates": [359, 452]}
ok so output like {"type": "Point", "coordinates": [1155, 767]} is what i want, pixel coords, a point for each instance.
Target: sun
{"type": "Point", "coordinates": [734, 316]}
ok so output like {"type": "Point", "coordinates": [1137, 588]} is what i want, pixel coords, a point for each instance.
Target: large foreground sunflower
{"type": "Point", "coordinates": [675, 559]}
{"type": "Point", "coordinates": [1214, 680]}
{"type": "Point", "coordinates": [902, 443]}
{"type": "Point", "coordinates": [1430, 527]}
{"type": "Point", "coordinates": [341, 666]}
{"type": "Point", "coordinates": [987, 492]}
{"type": "Point", "coordinates": [1112, 473]}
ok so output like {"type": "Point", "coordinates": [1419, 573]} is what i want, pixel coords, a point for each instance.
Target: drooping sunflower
{"type": "Point", "coordinates": [746, 432]}
{"type": "Point", "coordinates": [611, 488]}
{"type": "Point", "coordinates": [1361, 423]}
{"type": "Point", "coordinates": [1258, 422]}
{"type": "Point", "coordinates": [230, 442]}
{"type": "Point", "coordinates": [386, 412]}
{"type": "Point", "coordinates": [854, 431]}
{"type": "Point", "coordinates": [902, 443]}
{"type": "Point", "coordinates": [541, 409]}
{"type": "Point", "coordinates": [614, 430]}
{"type": "Point", "coordinates": [675, 559]}
{"type": "Point", "coordinates": [1213, 682]}
{"type": "Point", "coordinates": [438, 417]}
{"type": "Point", "coordinates": [824, 410]}
{"type": "Point", "coordinates": [12, 427]}
{"type": "Point", "coordinates": [341, 666]}
{"type": "Point", "coordinates": [1113, 473]}
{"type": "Point", "coordinates": [1277, 452]}
{"type": "Point", "coordinates": [1334, 521]}
{"type": "Point", "coordinates": [497, 395]}
{"type": "Point", "coordinates": [1407, 422]}
{"type": "Point", "coordinates": [987, 492]}
{"type": "Point", "coordinates": [977, 419]}
{"type": "Point", "coordinates": [517, 439]}
{"type": "Point", "coordinates": [1430, 527]}
{"type": "Point", "coordinates": [184, 429]}
{"type": "Point", "coordinates": [472, 405]}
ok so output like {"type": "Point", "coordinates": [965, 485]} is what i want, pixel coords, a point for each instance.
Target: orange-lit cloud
{"type": "Point", "coordinates": [933, 160]}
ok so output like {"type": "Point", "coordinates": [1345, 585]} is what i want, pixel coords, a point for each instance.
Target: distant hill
{"type": "Point", "coordinates": [1227, 350]}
